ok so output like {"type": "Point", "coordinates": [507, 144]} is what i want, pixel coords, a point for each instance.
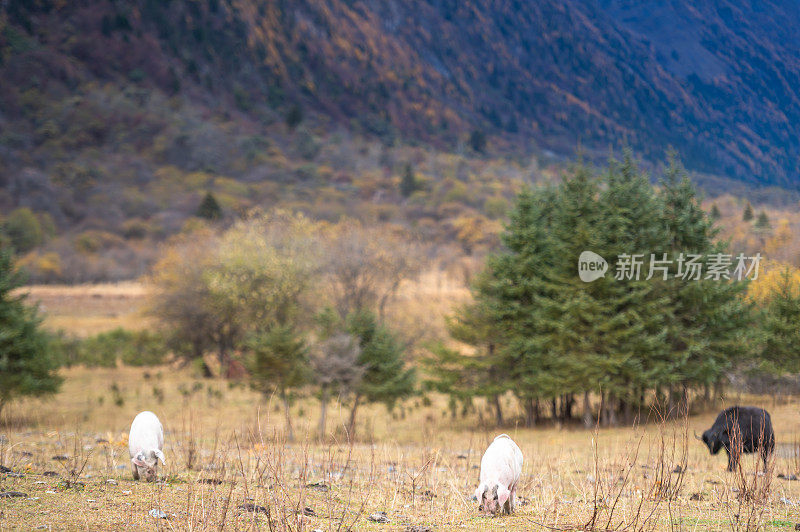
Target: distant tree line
{"type": "Point", "coordinates": [614, 346]}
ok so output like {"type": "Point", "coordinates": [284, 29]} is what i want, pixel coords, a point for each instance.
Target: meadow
{"type": "Point", "coordinates": [230, 468]}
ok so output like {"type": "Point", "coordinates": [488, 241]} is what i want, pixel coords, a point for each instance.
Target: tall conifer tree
{"type": "Point", "coordinates": [638, 310]}
{"type": "Point", "coordinates": [709, 330]}
{"type": "Point", "coordinates": [27, 365]}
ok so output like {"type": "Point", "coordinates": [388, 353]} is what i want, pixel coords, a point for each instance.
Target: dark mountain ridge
{"type": "Point", "coordinates": [717, 81]}
{"type": "Point", "coordinates": [101, 100]}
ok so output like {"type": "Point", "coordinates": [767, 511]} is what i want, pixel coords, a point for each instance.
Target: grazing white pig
{"type": "Point", "coordinates": [501, 466]}
{"type": "Point", "coordinates": [145, 445]}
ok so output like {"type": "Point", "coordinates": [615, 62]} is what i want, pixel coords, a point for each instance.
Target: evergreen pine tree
{"type": "Point", "coordinates": [762, 223]}
{"type": "Point", "coordinates": [533, 295]}
{"type": "Point", "coordinates": [280, 363]}
{"type": "Point", "coordinates": [517, 292]}
{"type": "Point", "coordinates": [209, 208]}
{"type": "Point", "coordinates": [477, 141]}
{"type": "Point", "coordinates": [747, 215]}
{"type": "Point", "coordinates": [385, 377]}
{"type": "Point", "coordinates": [483, 372]}
{"type": "Point", "coordinates": [512, 317]}
{"type": "Point", "coordinates": [294, 116]}
{"type": "Point", "coordinates": [689, 233]}
{"type": "Point", "coordinates": [571, 337]}
{"type": "Point", "coordinates": [455, 374]}
{"type": "Point", "coordinates": [710, 317]}
{"type": "Point", "coordinates": [27, 366]}
{"type": "Point", "coordinates": [715, 214]}
{"type": "Point", "coordinates": [540, 331]}
{"type": "Point", "coordinates": [408, 183]}
{"type": "Point", "coordinates": [636, 309]}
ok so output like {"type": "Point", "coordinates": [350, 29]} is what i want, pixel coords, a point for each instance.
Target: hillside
{"type": "Point", "coordinates": [716, 81]}
{"type": "Point", "coordinates": [117, 117]}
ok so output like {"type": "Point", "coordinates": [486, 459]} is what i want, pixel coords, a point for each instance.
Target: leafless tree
{"type": "Point", "coordinates": [365, 265]}
{"type": "Point", "coordinates": [335, 363]}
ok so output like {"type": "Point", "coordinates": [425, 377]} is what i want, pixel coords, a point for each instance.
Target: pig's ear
{"type": "Point", "coordinates": [139, 460]}
{"type": "Point", "coordinates": [160, 455]}
{"type": "Point", "coordinates": [502, 495]}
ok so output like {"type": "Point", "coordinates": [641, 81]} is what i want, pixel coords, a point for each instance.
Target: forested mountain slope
{"type": "Point", "coordinates": [120, 115]}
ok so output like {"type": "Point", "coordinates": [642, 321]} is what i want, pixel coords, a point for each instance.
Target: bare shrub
{"type": "Point", "coordinates": [418, 474]}
{"type": "Point", "coordinates": [74, 463]}
{"type": "Point", "coordinates": [186, 446]}
{"type": "Point", "coordinates": [611, 484]}
{"type": "Point", "coordinates": [617, 502]}
{"type": "Point", "coordinates": [794, 457]}
{"type": "Point", "coordinates": [668, 470]}
{"type": "Point", "coordinates": [278, 477]}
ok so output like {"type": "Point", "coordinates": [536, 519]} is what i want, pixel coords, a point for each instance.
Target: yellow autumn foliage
{"type": "Point", "coordinates": [768, 278]}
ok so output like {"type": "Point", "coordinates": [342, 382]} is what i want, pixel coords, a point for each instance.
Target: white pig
{"type": "Point", "coordinates": [501, 466]}
{"type": "Point", "coordinates": [145, 445]}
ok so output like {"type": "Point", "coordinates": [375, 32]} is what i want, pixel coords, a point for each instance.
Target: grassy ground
{"type": "Point", "coordinates": [419, 467]}
{"type": "Point", "coordinates": [228, 464]}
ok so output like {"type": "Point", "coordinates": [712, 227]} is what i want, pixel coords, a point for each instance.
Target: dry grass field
{"type": "Point", "coordinates": [228, 467]}
{"type": "Point", "coordinates": [419, 307]}
{"type": "Point", "coordinates": [84, 310]}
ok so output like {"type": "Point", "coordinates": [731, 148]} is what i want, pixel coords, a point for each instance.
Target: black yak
{"type": "Point", "coordinates": [741, 429]}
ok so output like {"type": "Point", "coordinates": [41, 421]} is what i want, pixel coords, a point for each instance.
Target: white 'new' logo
{"type": "Point", "coordinates": [591, 266]}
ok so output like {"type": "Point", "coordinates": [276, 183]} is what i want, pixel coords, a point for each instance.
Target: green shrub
{"type": "Point", "coordinates": [294, 116]}
{"type": "Point", "coordinates": [136, 228]}
{"type": "Point", "coordinates": [136, 75]}
{"type": "Point", "coordinates": [148, 349]}
{"type": "Point", "coordinates": [65, 349]}
{"type": "Point", "coordinates": [458, 193]}
{"type": "Point", "coordinates": [93, 241]}
{"type": "Point", "coordinates": [306, 145]}
{"type": "Point", "coordinates": [307, 172]}
{"type": "Point", "coordinates": [132, 348]}
{"type": "Point", "coordinates": [242, 98]}
{"type": "Point", "coordinates": [23, 229]}
{"type": "Point", "coordinates": [495, 207]}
